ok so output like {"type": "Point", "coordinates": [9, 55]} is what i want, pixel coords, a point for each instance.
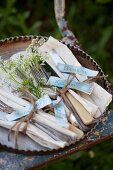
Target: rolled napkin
{"type": "Point", "coordinates": [71, 135]}
{"type": "Point", "coordinates": [52, 118]}
{"type": "Point", "coordinates": [101, 97]}
{"type": "Point", "coordinates": [11, 100]}
{"type": "Point", "coordinates": [36, 134]}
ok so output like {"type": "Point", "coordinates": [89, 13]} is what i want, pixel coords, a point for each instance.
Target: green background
{"type": "Point", "coordinates": [92, 23]}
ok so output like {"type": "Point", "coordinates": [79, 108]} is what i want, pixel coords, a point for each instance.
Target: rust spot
{"type": "Point", "coordinates": [97, 133]}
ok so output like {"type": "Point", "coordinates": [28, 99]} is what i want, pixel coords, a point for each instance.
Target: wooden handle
{"type": "Point", "coordinates": [84, 115]}
{"type": "Point", "coordinates": [68, 36]}
{"type": "Point", "coordinates": [79, 133]}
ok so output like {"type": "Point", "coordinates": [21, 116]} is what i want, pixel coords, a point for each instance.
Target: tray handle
{"type": "Point", "coordinates": [68, 36]}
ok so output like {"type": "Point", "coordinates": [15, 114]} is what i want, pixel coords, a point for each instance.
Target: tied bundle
{"type": "Point", "coordinates": [46, 94]}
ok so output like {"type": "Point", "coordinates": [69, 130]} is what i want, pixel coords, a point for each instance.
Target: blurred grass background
{"type": "Point", "coordinates": [92, 23]}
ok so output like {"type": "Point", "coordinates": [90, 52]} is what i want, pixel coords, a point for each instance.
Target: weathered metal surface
{"type": "Point", "coordinates": [102, 132]}
{"type": "Point", "coordinates": [68, 36]}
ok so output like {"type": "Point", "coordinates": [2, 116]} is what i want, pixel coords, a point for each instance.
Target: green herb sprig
{"type": "Point", "coordinates": [19, 70]}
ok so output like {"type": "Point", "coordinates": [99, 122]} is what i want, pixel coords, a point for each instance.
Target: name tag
{"type": "Point", "coordinates": [66, 68]}
{"type": "Point", "coordinates": [40, 103]}
{"type": "Point", "coordinates": [19, 113]}
{"type": "Point", "coordinates": [60, 113]}
{"type": "Point", "coordinates": [81, 86]}
{"type": "Point", "coordinates": [43, 101]}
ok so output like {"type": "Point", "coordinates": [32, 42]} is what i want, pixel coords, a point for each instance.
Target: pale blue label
{"type": "Point", "coordinates": [66, 68]}
{"type": "Point", "coordinates": [81, 86]}
{"type": "Point", "coordinates": [60, 113]}
{"type": "Point", "coordinates": [42, 102]}
{"type": "Point", "coordinates": [19, 113]}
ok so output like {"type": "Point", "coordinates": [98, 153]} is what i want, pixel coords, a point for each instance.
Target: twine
{"type": "Point", "coordinates": [93, 79]}
{"type": "Point", "coordinates": [26, 119]}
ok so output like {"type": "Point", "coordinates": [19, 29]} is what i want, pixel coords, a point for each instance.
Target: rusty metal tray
{"type": "Point", "coordinates": [29, 159]}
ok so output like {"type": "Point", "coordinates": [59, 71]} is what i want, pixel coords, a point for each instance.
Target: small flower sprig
{"type": "Point", "coordinates": [21, 71]}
